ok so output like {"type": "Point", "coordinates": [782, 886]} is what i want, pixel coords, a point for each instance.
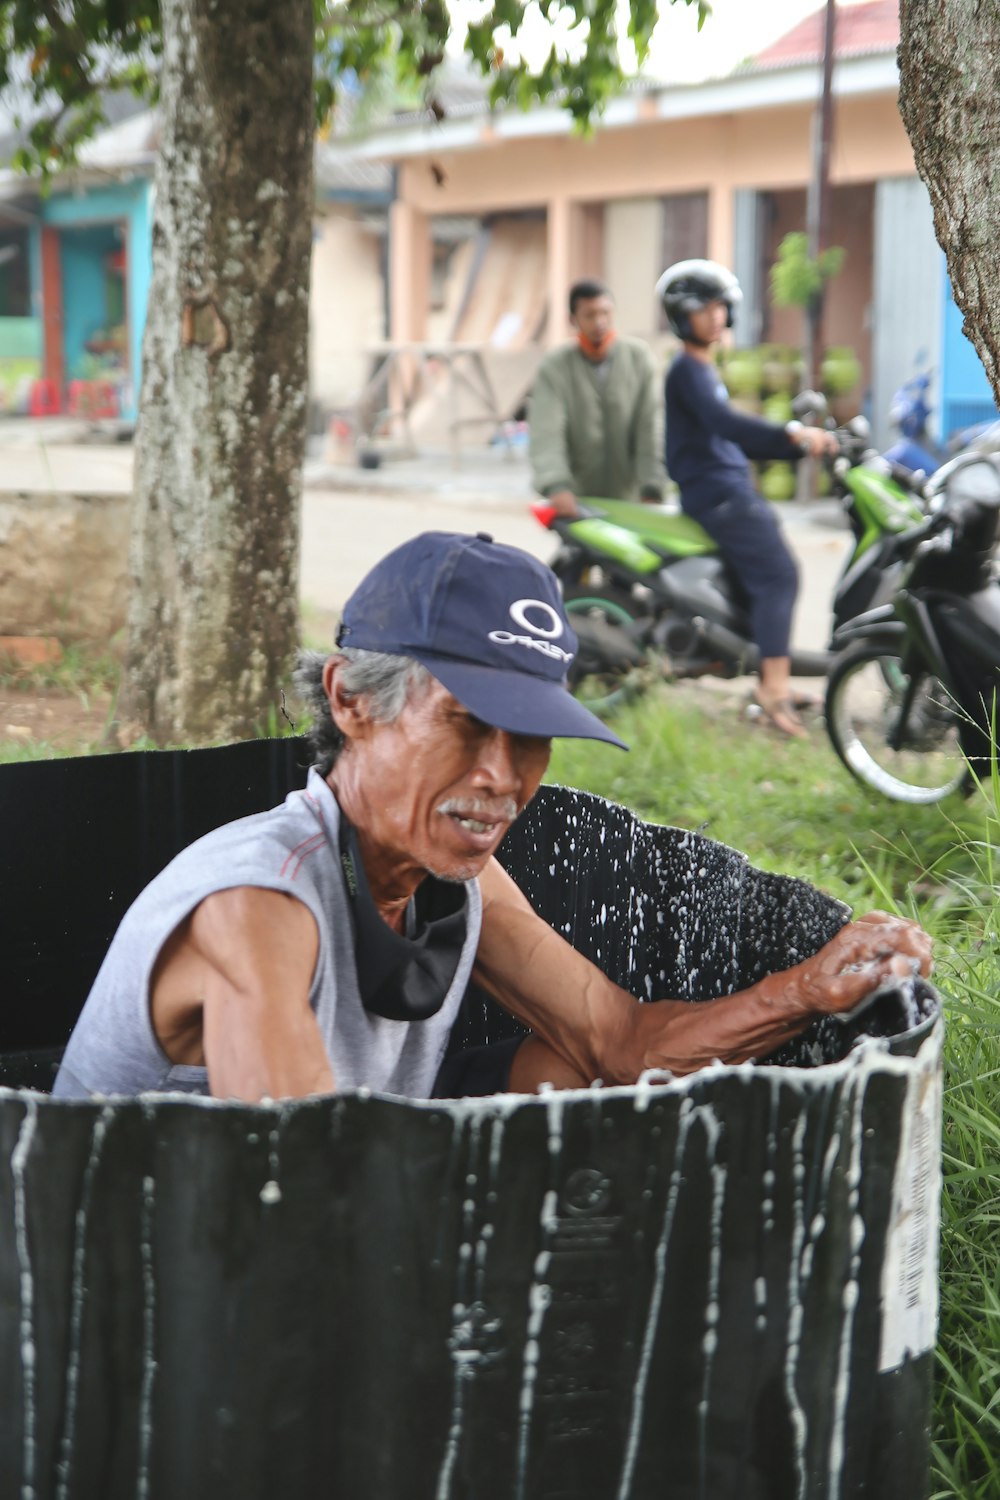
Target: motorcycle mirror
{"type": "Point", "coordinates": [988, 440]}
{"type": "Point", "coordinates": [809, 404]}
{"type": "Point", "coordinates": [860, 427]}
{"type": "Point", "coordinates": [975, 483]}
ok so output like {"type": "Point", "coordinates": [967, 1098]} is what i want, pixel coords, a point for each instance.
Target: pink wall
{"type": "Point", "coordinates": [758, 148]}
{"type": "Point", "coordinates": [715, 154]}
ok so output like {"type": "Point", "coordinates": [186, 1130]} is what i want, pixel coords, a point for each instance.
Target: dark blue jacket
{"type": "Point", "coordinates": [707, 438]}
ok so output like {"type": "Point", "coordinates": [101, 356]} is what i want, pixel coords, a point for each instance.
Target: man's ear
{"type": "Point", "coordinates": [349, 711]}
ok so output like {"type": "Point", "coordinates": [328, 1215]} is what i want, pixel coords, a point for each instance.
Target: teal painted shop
{"type": "Point", "coordinates": [75, 270]}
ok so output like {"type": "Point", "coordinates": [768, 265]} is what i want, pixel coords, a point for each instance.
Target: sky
{"type": "Point", "coordinates": [735, 30]}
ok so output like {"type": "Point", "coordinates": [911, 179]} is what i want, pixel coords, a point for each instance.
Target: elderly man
{"type": "Point", "coordinates": [327, 944]}
{"type": "Point", "coordinates": [596, 414]}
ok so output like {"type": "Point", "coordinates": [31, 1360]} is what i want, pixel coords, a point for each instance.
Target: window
{"type": "Point", "coordinates": [15, 281]}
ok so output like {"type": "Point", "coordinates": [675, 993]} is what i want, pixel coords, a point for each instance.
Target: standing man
{"type": "Point", "coordinates": [327, 944]}
{"type": "Point", "coordinates": [596, 420]}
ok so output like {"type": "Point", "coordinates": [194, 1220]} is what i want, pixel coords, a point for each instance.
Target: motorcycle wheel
{"type": "Point", "coordinates": [606, 672]}
{"type": "Point", "coordinates": [866, 691]}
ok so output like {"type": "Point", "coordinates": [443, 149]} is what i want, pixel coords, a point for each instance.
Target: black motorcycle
{"type": "Point", "coordinates": [910, 700]}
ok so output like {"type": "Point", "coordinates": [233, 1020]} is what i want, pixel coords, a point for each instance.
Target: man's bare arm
{"type": "Point", "coordinates": [245, 959]}
{"type": "Point", "coordinates": [604, 1033]}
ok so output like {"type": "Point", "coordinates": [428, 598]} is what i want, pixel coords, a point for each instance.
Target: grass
{"type": "Point", "coordinates": [82, 671]}
{"type": "Point", "coordinates": [92, 677]}
{"type": "Point", "coordinates": [789, 805]}
{"type": "Point", "coordinates": [966, 1447]}
{"type": "Point", "coordinates": [792, 808]}
{"type": "Point", "coordinates": [86, 675]}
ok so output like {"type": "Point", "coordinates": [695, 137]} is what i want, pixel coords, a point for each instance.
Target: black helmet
{"type": "Point", "coordinates": [691, 284]}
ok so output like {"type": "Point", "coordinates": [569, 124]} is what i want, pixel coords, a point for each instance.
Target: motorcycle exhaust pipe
{"type": "Point", "coordinates": [735, 648]}
{"type": "Point", "coordinates": [604, 647]}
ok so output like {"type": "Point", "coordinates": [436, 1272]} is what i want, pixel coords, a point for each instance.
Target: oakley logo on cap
{"type": "Point", "coordinates": [542, 637]}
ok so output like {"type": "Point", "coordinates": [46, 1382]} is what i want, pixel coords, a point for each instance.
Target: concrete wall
{"type": "Point", "coordinates": [765, 148]}
{"type": "Point", "coordinates": [63, 565]}
{"type": "Point", "coordinates": [633, 235]}
{"type": "Point", "coordinates": [346, 306]}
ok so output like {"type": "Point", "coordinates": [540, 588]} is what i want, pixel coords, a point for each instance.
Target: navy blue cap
{"type": "Point", "coordinates": [486, 620]}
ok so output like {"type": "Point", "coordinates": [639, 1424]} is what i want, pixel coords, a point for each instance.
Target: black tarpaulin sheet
{"type": "Point", "coordinates": [720, 1288]}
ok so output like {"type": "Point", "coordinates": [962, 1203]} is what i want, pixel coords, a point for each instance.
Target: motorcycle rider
{"type": "Point", "coordinates": [708, 446]}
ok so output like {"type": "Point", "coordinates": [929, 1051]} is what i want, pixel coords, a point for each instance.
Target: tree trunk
{"type": "Point", "coordinates": [949, 61]}
{"type": "Point", "coordinates": [213, 610]}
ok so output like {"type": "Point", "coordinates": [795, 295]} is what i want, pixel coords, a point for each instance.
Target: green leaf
{"type": "Point", "coordinates": [73, 51]}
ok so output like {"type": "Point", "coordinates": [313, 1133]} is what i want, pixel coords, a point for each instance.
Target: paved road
{"type": "Point", "coordinates": [344, 533]}
{"type": "Point", "coordinates": [351, 517]}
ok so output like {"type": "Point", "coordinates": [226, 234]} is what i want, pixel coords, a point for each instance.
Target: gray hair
{"type": "Point", "coordinates": [386, 681]}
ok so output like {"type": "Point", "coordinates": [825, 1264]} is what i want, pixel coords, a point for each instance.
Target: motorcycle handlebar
{"type": "Point", "coordinates": [857, 449]}
{"type": "Point", "coordinates": [908, 478]}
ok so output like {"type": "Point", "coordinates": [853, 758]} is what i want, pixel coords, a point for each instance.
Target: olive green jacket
{"type": "Point", "coordinates": [599, 437]}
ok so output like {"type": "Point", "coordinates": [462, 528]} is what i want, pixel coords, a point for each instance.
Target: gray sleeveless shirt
{"type": "Point", "coordinates": [292, 848]}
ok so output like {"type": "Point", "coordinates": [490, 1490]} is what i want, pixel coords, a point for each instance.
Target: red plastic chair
{"type": "Point", "coordinates": [44, 399]}
{"type": "Point", "coordinates": [78, 401]}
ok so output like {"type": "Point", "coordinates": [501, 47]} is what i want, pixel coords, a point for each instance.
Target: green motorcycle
{"type": "Point", "coordinates": [651, 596]}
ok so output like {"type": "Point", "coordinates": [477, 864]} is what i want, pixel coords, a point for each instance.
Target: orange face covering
{"type": "Point", "coordinates": [593, 351]}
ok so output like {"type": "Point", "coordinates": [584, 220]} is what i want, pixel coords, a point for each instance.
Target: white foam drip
{"type": "Point", "coordinates": [540, 1293]}
{"type": "Point", "coordinates": [539, 1300]}
{"type": "Point", "coordinates": [849, 1299]}
{"type": "Point", "coordinates": [77, 1298]}
{"type": "Point", "coordinates": [18, 1162]}
{"type": "Point", "coordinates": [686, 1115]}
{"type": "Point", "coordinates": [148, 1339]}
{"type": "Point", "coordinates": [469, 1308]}
{"type": "Point", "coordinates": [270, 1193]}
{"type": "Point", "coordinates": [796, 1412]}
{"type": "Point", "coordinates": [760, 1302]}
{"type": "Point", "coordinates": [710, 1341]}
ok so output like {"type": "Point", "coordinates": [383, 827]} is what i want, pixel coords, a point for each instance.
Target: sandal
{"type": "Point", "coordinates": [782, 717]}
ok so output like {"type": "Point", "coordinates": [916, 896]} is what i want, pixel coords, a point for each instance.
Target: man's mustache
{"type": "Point", "coordinates": [482, 809]}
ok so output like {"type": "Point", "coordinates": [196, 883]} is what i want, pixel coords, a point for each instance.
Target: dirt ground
{"type": "Point", "coordinates": [50, 716]}
{"type": "Point", "coordinates": [79, 723]}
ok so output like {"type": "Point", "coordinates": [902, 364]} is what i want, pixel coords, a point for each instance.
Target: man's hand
{"type": "Point", "coordinates": [601, 1031]}
{"type": "Point", "coordinates": [815, 441]}
{"type": "Point", "coordinates": [865, 954]}
{"type": "Point", "coordinates": [872, 951]}
{"type": "Point", "coordinates": [564, 503]}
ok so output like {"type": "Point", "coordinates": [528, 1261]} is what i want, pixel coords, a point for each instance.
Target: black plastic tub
{"type": "Point", "coordinates": [720, 1287]}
